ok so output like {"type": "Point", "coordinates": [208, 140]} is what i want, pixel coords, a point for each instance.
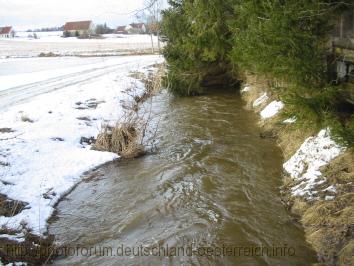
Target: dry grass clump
{"type": "Point", "coordinates": [49, 54]}
{"type": "Point", "coordinates": [153, 83]}
{"type": "Point", "coordinates": [346, 255]}
{"type": "Point", "coordinates": [290, 138]}
{"type": "Point", "coordinates": [340, 171]}
{"type": "Point", "coordinates": [41, 249]}
{"type": "Point", "coordinates": [10, 207]}
{"type": "Point", "coordinates": [137, 75]}
{"type": "Point", "coordinates": [299, 206]}
{"type": "Point", "coordinates": [122, 139]}
{"type": "Point", "coordinates": [329, 224]}
{"type": "Point", "coordinates": [127, 137]}
{"type": "Point", "coordinates": [329, 228]}
{"type": "Point", "coordinates": [154, 80]}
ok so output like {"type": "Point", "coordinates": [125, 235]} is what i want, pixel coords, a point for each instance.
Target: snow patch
{"type": "Point", "coordinates": [246, 89]}
{"type": "Point", "coordinates": [329, 197]}
{"type": "Point", "coordinates": [260, 100]}
{"type": "Point", "coordinates": [304, 166]}
{"type": "Point", "coordinates": [16, 264]}
{"type": "Point", "coordinates": [331, 188]}
{"type": "Point", "coordinates": [20, 237]}
{"type": "Point", "coordinates": [272, 109]}
{"type": "Point", "coordinates": [290, 120]}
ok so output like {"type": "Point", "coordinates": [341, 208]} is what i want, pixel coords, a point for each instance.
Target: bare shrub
{"type": "Point", "coordinates": [126, 138]}
{"type": "Point", "coordinates": [152, 82]}
{"type": "Point", "coordinates": [121, 139]}
{"type": "Point", "coordinates": [6, 130]}
{"type": "Point", "coordinates": [49, 54]}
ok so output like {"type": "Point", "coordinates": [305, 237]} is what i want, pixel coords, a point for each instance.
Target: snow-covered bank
{"type": "Point", "coordinates": [315, 152]}
{"type": "Point", "coordinates": [304, 166]}
{"type": "Point", "coordinates": [318, 176]}
{"type": "Point", "coordinates": [46, 149]}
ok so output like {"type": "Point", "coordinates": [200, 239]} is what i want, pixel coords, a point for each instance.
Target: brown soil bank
{"type": "Point", "coordinates": [328, 219]}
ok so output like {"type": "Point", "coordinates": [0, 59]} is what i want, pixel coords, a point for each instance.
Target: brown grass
{"type": "Point", "coordinates": [123, 139]}
{"type": "Point", "coordinates": [49, 54]}
{"type": "Point", "coordinates": [126, 138]}
{"type": "Point", "coordinates": [329, 223]}
{"type": "Point", "coordinates": [329, 228]}
{"type": "Point", "coordinates": [341, 170]}
{"type": "Point", "coordinates": [290, 138]}
{"type": "Point", "coordinates": [10, 207]}
{"type": "Point", "coordinates": [153, 83]}
{"type": "Point", "coordinates": [346, 256]}
{"type": "Point", "coordinates": [41, 249]}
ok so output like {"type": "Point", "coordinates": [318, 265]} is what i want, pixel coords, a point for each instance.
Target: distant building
{"type": "Point", "coordinates": [7, 32]}
{"type": "Point", "coordinates": [136, 28]}
{"type": "Point", "coordinates": [121, 30]}
{"type": "Point", "coordinates": [79, 29]}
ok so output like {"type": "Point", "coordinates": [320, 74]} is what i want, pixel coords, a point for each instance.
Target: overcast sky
{"type": "Point", "coordinates": [29, 14]}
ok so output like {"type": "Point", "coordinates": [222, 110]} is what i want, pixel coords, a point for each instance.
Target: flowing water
{"type": "Point", "coordinates": [208, 196]}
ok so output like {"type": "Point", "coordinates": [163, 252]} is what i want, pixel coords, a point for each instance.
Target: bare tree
{"type": "Point", "coordinates": [152, 16]}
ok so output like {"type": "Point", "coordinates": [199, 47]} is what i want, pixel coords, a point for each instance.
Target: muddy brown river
{"type": "Point", "coordinates": [209, 195]}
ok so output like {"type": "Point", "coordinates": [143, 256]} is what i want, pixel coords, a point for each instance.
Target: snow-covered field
{"type": "Point", "coordinates": [111, 44]}
{"type": "Point", "coordinates": [43, 153]}
{"type": "Point", "coordinates": [21, 79]}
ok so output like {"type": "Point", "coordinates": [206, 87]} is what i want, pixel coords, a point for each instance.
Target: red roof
{"type": "Point", "coordinates": [121, 28]}
{"type": "Point", "coordinates": [77, 25]}
{"type": "Point", "coordinates": [137, 25]}
{"type": "Point", "coordinates": [5, 30]}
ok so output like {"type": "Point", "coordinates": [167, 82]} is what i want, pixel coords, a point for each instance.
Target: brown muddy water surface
{"type": "Point", "coordinates": [213, 184]}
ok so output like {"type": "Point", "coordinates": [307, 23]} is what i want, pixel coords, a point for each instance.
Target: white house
{"type": "Point", "coordinates": [136, 28]}
{"type": "Point", "coordinates": [7, 32]}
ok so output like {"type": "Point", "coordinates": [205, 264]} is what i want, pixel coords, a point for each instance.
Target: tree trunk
{"type": "Point", "coordinates": [158, 41]}
{"type": "Point", "coordinates": [152, 43]}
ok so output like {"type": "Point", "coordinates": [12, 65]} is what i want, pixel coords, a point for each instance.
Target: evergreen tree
{"type": "Point", "coordinates": [198, 40]}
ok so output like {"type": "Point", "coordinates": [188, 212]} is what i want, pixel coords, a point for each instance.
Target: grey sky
{"type": "Point", "coordinates": [25, 14]}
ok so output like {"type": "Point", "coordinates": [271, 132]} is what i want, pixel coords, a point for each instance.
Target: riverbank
{"type": "Point", "coordinates": [318, 176]}
{"type": "Point", "coordinates": [46, 148]}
